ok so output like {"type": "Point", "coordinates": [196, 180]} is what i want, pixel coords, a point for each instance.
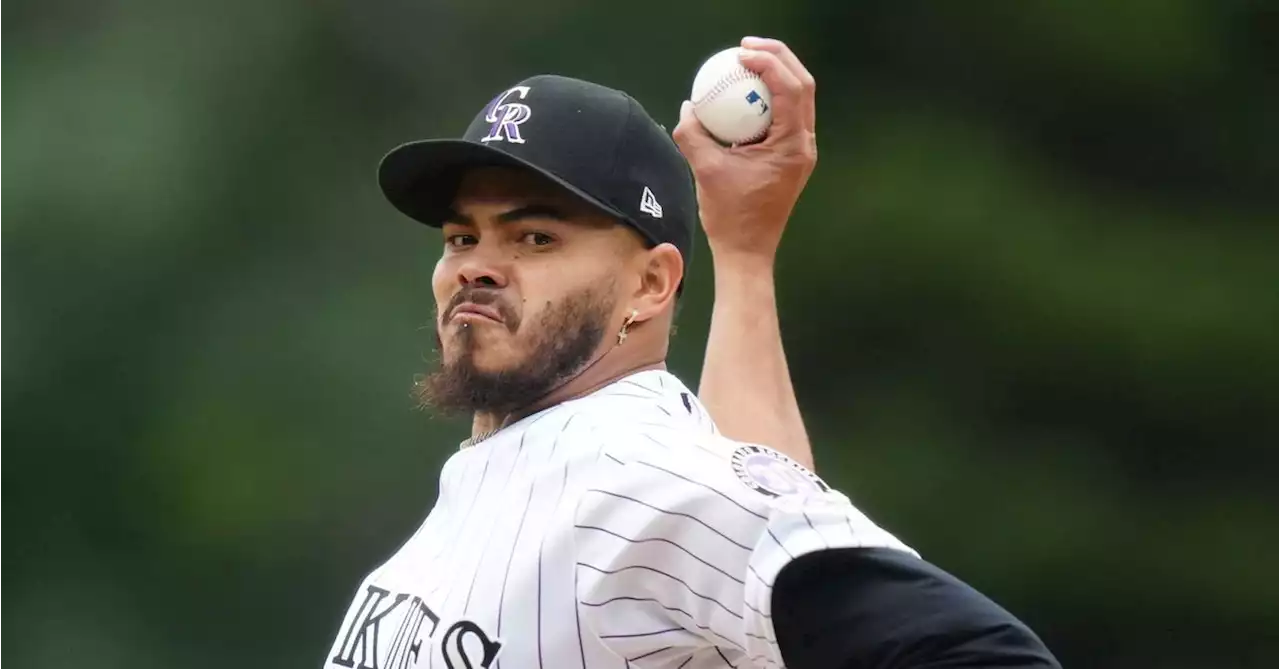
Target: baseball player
{"type": "Point", "coordinates": [600, 515]}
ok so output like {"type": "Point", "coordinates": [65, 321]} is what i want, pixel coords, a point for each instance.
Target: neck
{"type": "Point", "coordinates": [586, 382]}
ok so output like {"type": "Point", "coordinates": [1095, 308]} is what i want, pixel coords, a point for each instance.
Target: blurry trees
{"type": "Point", "coordinates": [1027, 299]}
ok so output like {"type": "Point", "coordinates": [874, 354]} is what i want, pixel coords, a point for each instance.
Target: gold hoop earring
{"type": "Point", "coordinates": [622, 333]}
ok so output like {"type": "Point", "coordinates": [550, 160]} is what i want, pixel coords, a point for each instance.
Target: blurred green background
{"type": "Point", "coordinates": [1027, 299]}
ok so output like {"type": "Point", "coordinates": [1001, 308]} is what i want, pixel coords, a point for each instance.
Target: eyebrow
{"type": "Point", "coordinates": [518, 214]}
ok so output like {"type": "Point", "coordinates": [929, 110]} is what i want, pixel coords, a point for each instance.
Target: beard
{"type": "Point", "coordinates": [563, 340]}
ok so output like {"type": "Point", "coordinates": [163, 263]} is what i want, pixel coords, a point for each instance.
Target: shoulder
{"type": "Point", "coordinates": [704, 479]}
{"type": "Point", "coordinates": [753, 474]}
{"type": "Point", "coordinates": [754, 495]}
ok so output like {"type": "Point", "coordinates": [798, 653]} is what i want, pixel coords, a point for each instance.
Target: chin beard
{"type": "Point", "coordinates": [563, 341]}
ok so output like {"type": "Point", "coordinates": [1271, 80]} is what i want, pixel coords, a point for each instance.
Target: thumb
{"type": "Point", "coordinates": [692, 139]}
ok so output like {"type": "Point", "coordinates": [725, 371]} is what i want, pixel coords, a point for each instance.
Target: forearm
{"type": "Point", "coordinates": [745, 383]}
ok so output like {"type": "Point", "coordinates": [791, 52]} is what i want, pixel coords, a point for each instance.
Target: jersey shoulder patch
{"type": "Point", "coordinates": [772, 473]}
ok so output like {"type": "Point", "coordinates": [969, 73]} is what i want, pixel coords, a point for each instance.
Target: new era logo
{"type": "Point", "coordinates": [649, 204]}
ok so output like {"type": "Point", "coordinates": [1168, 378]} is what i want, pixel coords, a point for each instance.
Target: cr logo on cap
{"type": "Point", "coordinates": [506, 117]}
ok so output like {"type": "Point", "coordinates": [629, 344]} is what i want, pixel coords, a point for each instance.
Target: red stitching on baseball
{"type": "Point", "coordinates": [739, 73]}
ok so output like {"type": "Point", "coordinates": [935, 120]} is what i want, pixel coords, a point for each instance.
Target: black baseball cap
{"type": "Point", "coordinates": [596, 142]}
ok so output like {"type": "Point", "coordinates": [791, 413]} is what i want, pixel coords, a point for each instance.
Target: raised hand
{"type": "Point", "coordinates": [746, 193]}
{"type": "Point", "coordinates": [745, 196]}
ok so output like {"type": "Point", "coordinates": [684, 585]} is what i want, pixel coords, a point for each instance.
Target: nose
{"type": "Point", "coordinates": [482, 268]}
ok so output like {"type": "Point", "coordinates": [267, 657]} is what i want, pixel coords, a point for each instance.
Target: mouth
{"type": "Point", "coordinates": [469, 312]}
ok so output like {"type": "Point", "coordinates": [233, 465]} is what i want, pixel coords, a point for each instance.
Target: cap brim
{"type": "Point", "coordinates": [421, 178]}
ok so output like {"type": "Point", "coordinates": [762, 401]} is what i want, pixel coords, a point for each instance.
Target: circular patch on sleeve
{"type": "Point", "coordinates": [769, 472]}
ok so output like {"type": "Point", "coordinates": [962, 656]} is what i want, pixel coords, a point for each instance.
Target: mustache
{"type": "Point", "coordinates": [488, 297]}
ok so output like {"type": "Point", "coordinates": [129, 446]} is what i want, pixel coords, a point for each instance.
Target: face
{"type": "Point", "coordinates": [527, 290]}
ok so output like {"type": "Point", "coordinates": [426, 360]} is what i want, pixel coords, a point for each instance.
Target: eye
{"type": "Point", "coordinates": [537, 238]}
{"type": "Point", "coordinates": [460, 241]}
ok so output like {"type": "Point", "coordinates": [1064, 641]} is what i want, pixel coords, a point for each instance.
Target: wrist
{"type": "Point", "coordinates": [745, 279]}
{"type": "Point", "coordinates": [732, 261]}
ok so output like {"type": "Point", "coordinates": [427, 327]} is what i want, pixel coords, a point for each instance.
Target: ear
{"type": "Point", "coordinates": [661, 272]}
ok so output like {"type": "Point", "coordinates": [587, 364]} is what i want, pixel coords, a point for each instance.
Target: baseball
{"type": "Point", "coordinates": [732, 102]}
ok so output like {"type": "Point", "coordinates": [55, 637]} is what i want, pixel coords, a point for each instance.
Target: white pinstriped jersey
{"type": "Point", "coordinates": [615, 530]}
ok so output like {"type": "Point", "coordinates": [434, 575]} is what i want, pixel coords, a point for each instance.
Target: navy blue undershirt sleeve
{"type": "Point", "coordinates": [878, 608]}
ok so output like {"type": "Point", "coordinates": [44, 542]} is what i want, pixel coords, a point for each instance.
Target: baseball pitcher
{"type": "Point", "coordinates": [602, 514]}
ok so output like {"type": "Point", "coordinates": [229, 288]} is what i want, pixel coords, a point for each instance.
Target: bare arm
{"type": "Point", "coordinates": [745, 381]}
{"type": "Point", "coordinates": [745, 196]}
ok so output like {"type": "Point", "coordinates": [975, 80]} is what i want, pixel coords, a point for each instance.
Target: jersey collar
{"type": "Point", "coordinates": [659, 381]}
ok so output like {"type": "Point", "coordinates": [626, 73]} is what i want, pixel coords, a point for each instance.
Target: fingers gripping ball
{"type": "Point", "coordinates": [730, 101]}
